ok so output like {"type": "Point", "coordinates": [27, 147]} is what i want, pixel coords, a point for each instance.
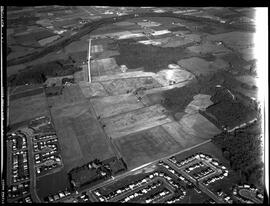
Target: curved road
{"type": "Point", "coordinates": [89, 27]}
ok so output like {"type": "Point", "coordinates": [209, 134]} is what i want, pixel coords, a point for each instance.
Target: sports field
{"type": "Point", "coordinates": [146, 146]}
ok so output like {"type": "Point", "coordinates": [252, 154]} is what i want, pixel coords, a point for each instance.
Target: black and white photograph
{"type": "Point", "coordinates": [134, 104]}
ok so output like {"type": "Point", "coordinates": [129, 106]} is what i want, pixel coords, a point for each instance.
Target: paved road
{"type": "Point", "coordinates": [89, 61]}
{"type": "Point", "coordinates": [32, 171]}
{"type": "Point", "coordinates": [131, 172]}
{"type": "Point", "coordinates": [121, 176]}
{"type": "Point", "coordinates": [191, 179]}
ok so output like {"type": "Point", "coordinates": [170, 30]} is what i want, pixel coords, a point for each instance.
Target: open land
{"type": "Point", "coordinates": [164, 84]}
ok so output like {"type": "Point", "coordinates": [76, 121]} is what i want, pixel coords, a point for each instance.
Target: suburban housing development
{"type": "Point", "coordinates": [132, 105]}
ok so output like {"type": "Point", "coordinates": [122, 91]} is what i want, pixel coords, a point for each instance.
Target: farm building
{"type": "Point", "coordinates": [116, 165]}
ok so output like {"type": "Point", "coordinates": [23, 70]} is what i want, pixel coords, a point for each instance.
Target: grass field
{"type": "Point", "coordinates": [80, 135]}
{"type": "Point", "coordinates": [248, 79]}
{"type": "Point", "coordinates": [135, 121]}
{"type": "Point", "coordinates": [248, 54]}
{"type": "Point", "coordinates": [52, 184]}
{"type": "Point", "coordinates": [106, 66]}
{"type": "Point", "coordinates": [107, 54]}
{"type": "Point", "coordinates": [13, 70]}
{"type": "Point", "coordinates": [146, 146]}
{"type": "Point", "coordinates": [24, 88]}
{"type": "Point", "coordinates": [236, 61]}
{"type": "Point", "coordinates": [199, 66]}
{"type": "Point", "coordinates": [121, 86]}
{"type": "Point", "coordinates": [124, 23]}
{"type": "Point", "coordinates": [236, 40]}
{"type": "Point", "coordinates": [26, 93]}
{"type": "Point", "coordinates": [114, 28]}
{"type": "Point", "coordinates": [253, 93]}
{"type": "Point", "coordinates": [112, 105]}
{"type": "Point", "coordinates": [71, 94]}
{"type": "Point", "coordinates": [48, 40]}
{"type": "Point", "coordinates": [17, 51]}
{"type": "Point", "coordinates": [95, 89]}
{"type": "Point", "coordinates": [181, 136]}
{"type": "Point", "coordinates": [177, 41]}
{"type": "Point", "coordinates": [199, 102]}
{"type": "Point", "coordinates": [77, 46]}
{"type": "Point", "coordinates": [165, 76]}
{"type": "Point", "coordinates": [152, 58]}
{"type": "Point", "coordinates": [26, 108]}
{"type": "Point", "coordinates": [198, 126]}
{"type": "Point", "coordinates": [209, 47]}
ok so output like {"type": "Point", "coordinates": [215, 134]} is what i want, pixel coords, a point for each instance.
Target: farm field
{"type": "Point", "coordinates": [113, 105]}
{"type": "Point", "coordinates": [48, 40]}
{"type": "Point", "coordinates": [146, 146]}
{"type": "Point", "coordinates": [106, 66]}
{"type": "Point", "coordinates": [198, 126]}
{"type": "Point", "coordinates": [199, 102]}
{"type": "Point", "coordinates": [70, 94]}
{"type": "Point", "coordinates": [122, 86]}
{"type": "Point", "coordinates": [248, 79]}
{"type": "Point", "coordinates": [53, 183]}
{"type": "Point", "coordinates": [176, 131]}
{"type": "Point", "coordinates": [24, 88]}
{"type": "Point", "coordinates": [17, 51]}
{"type": "Point", "coordinates": [151, 58]}
{"type": "Point", "coordinates": [209, 47]}
{"type": "Point", "coordinates": [114, 28]}
{"type": "Point", "coordinates": [252, 93]}
{"type": "Point", "coordinates": [31, 92]}
{"type": "Point", "coordinates": [199, 66]}
{"type": "Point", "coordinates": [26, 108]}
{"type": "Point", "coordinates": [80, 135]}
{"type": "Point", "coordinates": [159, 86]}
{"type": "Point", "coordinates": [235, 40]}
{"type": "Point", "coordinates": [135, 121]}
{"type": "Point", "coordinates": [94, 89]}
{"type": "Point", "coordinates": [248, 54]}
{"type": "Point", "coordinates": [13, 70]}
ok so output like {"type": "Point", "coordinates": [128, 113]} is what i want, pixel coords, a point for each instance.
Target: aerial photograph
{"type": "Point", "coordinates": [132, 105]}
